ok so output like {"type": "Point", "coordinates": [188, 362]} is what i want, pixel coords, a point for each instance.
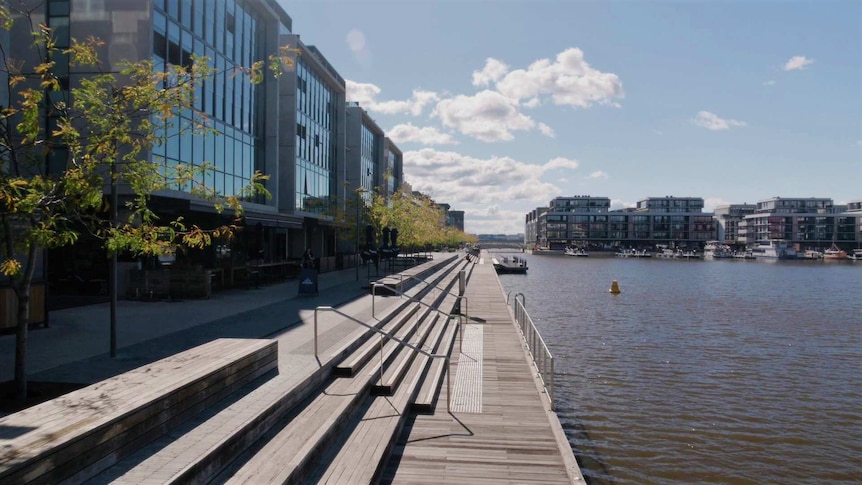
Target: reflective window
{"type": "Point", "coordinates": [315, 142]}
{"type": "Point", "coordinates": [225, 33]}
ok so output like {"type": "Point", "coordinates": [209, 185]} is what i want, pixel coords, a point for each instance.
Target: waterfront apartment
{"type": "Point", "coordinates": [803, 222]}
{"type": "Point", "coordinates": [586, 220]}
{"type": "Point", "coordinates": [728, 219]}
{"type": "Point", "coordinates": [680, 222]}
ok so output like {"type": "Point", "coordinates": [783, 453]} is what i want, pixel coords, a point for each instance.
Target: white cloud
{"type": "Point", "coordinates": [492, 72]}
{"type": "Point", "coordinates": [366, 95]}
{"type": "Point", "coordinates": [797, 63]}
{"type": "Point", "coordinates": [617, 204]}
{"type": "Point", "coordinates": [598, 174]}
{"type": "Point", "coordinates": [710, 203]}
{"type": "Point", "coordinates": [426, 135]}
{"type": "Point", "coordinates": [569, 80]}
{"type": "Point", "coordinates": [466, 181]}
{"type": "Point", "coordinates": [547, 130]}
{"type": "Point", "coordinates": [769, 83]}
{"type": "Point", "coordinates": [532, 103]}
{"type": "Point", "coordinates": [362, 93]}
{"type": "Point", "coordinates": [711, 121]}
{"type": "Point", "coordinates": [487, 116]}
{"type": "Point", "coordinates": [561, 162]}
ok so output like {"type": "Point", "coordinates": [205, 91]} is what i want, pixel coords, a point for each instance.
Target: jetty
{"type": "Point", "coordinates": [431, 383]}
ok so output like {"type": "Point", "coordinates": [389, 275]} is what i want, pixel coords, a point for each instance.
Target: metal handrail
{"type": "Point", "coordinates": [536, 346]}
{"type": "Point", "coordinates": [427, 284]}
{"type": "Point", "coordinates": [416, 300]}
{"type": "Point", "coordinates": [420, 302]}
{"type": "Point", "coordinates": [396, 339]}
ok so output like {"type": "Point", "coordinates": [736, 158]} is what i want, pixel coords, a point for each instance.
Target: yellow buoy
{"type": "Point", "coordinates": [615, 287]}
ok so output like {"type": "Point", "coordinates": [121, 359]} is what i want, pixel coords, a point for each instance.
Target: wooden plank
{"type": "Point", "coordinates": [358, 358]}
{"type": "Point", "coordinates": [73, 432]}
{"type": "Point", "coordinates": [396, 371]}
{"type": "Point", "coordinates": [511, 440]}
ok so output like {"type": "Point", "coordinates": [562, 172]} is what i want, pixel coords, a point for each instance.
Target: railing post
{"type": "Point", "coordinates": [315, 333]}
{"type": "Point", "coordinates": [462, 282]}
{"type": "Point", "coordinates": [552, 384]}
{"type": "Point", "coordinates": [373, 298]}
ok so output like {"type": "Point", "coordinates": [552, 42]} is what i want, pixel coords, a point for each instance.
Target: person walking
{"type": "Point", "coordinates": [308, 259]}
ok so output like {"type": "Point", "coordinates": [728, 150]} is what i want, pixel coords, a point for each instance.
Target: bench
{"type": "Point", "coordinates": [76, 435]}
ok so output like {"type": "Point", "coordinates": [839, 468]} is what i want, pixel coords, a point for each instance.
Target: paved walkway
{"type": "Point", "coordinates": [75, 348]}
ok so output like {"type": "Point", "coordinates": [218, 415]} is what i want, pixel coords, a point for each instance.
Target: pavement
{"type": "Point", "coordinates": [75, 347]}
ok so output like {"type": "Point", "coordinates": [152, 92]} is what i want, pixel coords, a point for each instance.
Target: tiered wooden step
{"type": "Point", "coordinates": [206, 444]}
{"type": "Point", "coordinates": [289, 451]}
{"type": "Point", "coordinates": [436, 371]}
{"type": "Point", "coordinates": [81, 433]}
{"type": "Point", "coordinates": [371, 347]}
{"type": "Point", "coordinates": [363, 455]}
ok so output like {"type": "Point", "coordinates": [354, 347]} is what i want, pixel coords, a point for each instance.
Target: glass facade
{"type": "Point", "coordinates": [316, 141]}
{"type": "Point", "coordinates": [368, 148]}
{"type": "Point", "coordinates": [391, 161]}
{"type": "Point", "coordinates": [229, 34]}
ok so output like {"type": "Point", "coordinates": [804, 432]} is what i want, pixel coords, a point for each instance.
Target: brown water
{"type": "Point", "coordinates": [704, 371]}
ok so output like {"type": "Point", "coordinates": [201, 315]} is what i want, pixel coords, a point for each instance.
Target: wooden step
{"type": "Point", "coordinates": [358, 358]}
{"type": "Point", "coordinates": [362, 457]}
{"type": "Point", "coordinates": [436, 371]}
{"type": "Point", "coordinates": [289, 449]}
{"type": "Point", "coordinates": [81, 433]}
{"type": "Point", "coordinates": [398, 368]}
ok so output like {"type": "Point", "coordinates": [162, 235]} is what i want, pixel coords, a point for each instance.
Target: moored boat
{"type": "Point", "coordinates": [716, 250]}
{"type": "Point", "coordinates": [834, 252]}
{"type": "Point", "coordinates": [577, 252]}
{"type": "Point", "coordinates": [774, 248]}
{"type": "Point", "coordinates": [856, 255]}
{"type": "Point", "coordinates": [513, 265]}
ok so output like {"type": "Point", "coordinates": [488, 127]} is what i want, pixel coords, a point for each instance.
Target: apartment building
{"type": "Point", "coordinates": [588, 220]}
{"type": "Point", "coordinates": [728, 220]}
{"type": "Point", "coordinates": [805, 222]}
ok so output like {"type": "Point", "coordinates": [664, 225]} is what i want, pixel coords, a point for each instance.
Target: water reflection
{"type": "Point", "coordinates": [704, 371]}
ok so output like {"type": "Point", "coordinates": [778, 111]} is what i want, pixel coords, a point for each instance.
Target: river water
{"type": "Point", "coordinates": [704, 371]}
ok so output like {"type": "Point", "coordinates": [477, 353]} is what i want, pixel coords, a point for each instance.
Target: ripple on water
{"type": "Point", "coordinates": [704, 372]}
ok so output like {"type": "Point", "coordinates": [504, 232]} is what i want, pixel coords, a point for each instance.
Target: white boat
{"type": "Point", "coordinates": [856, 255]}
{"type": "Point", "coordinates": [812, 254]}
{"type": "Point", "coordinates": [834, 252]}
{"type": "Point", "coordinates": [633, 253]}
{"type": "Point", "coordinates": [716, 250]}
{"type": "Point", "coordinates": [577, 252]}
{"type": "Point", "coordinates": [773, 248]}
{"type": "Point", "coordinates": [677, 254]}
{"type": "Point", "coordinates": [747, 254]}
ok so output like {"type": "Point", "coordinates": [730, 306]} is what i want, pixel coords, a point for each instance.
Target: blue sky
{"type": "Point", "coordinates": [500, 106]}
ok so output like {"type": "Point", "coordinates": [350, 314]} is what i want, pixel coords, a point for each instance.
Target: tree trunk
{"type": "Point", "coordinates": [23, 297]}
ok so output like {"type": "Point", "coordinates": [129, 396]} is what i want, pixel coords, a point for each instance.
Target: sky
{"type": "Point", "coordinates": [502, 105]}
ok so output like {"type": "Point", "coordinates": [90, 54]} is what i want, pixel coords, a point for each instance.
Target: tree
{"type": "Point", "coordinates": [61, 146]}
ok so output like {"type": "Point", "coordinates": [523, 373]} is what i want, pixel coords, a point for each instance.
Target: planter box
{"type": "Point", "coordinates": [9, 306]}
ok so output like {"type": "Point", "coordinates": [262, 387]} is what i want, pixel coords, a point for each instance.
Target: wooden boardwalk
{"type": "Point", "coordinates": [502, 430]}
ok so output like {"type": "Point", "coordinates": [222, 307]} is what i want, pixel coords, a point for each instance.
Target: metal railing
{"type": "Point", "coordinates": [390, 337]}
{"type": "Point", "coordinates": [539, 352]}
{"type": "Point", "coordinates": [460, 316]}
{"type": "Point", "coordinates": [458, 298]}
